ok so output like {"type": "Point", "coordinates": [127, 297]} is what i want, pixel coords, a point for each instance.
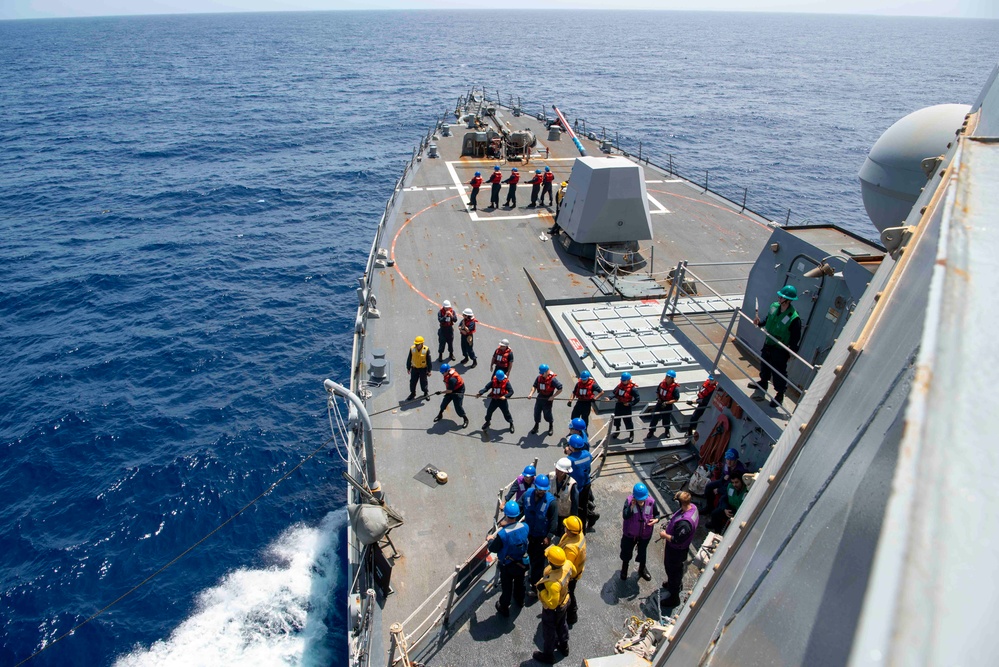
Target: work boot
{"type": "Point", "coordinates": [426, 396]}
{"type": "Point", "coordinates": [613, 435]}
{"type": "Point", "coordinates": [666, 434]}
{"type": "Point", "coordinates": [512, 429]}
{"type": "Point", "coordinates": [440, 416]}
{"type": "Point", "coordinates": [411, 396]}
{"type": "Point", "coordinates": [544, 658]}
{"type": "Point", "coordinates": [631, 436]}
{"type": "Point", "coordinates": [778, 400]}
{"type": "Point", "coordinates": [624, 570]}
{"type": "Point", "coordinates": [463, 360]}
{"type": "Point", "coordinates": [551, 428]}
{"type": "Point", "coordinates": [451, 357]}
{"type": "Point", "coordinates": [440, 358]}
{"type": "Point", "coordinates": [501, 611]}
{"type": "Point", "coordinates": [464, 422]}
{"type": "Point", "coordinates": [643, 573]}
{"type": "Point", "coordinates": [534, 431]}
{"type": "Point", "coordinates": [651, 434]}
{"type": "Point", "coordinates": [564, 648]}
{"type": "Point", "coordinates": [485, 426]}
{"type": "Point", "coordinates": [759, 391]}
{"type": "Point", "coordinates": [474, 364]}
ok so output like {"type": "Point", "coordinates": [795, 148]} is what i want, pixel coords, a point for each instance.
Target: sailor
{"type": "Point", "coordinates": [559, 196]}
{"type": "Point", "coordinates": [524, 481]}
{"type": "Point", "coordinates": [446, 319]}
{"type": "Point", "coordinates": [703, 398]}
{"type": "Point", "coordinates": [511, 195]}
{"type": "Point", "coordinates": [476, 183]}
{"type": "Point", "coordinates": [502, 359]}
{"type": "Point", "coordinates": [667, 393]}
{"type": "Point", "coordinates": [578, 452]}
{"type": "Point", "coordinates": [547, 387]}
{"type": "Point", "coordinates": [467, 330]}
{"type": "Point", "coordinates": [733, 468]}
{"type": "Point", "coordinates": [585, 392]}
{"type": "Point", "coordinates": [678, 533]}
{"type": "Point", "coordinates": [510, 546]}
{"type": "Point", "coordinates": [573, 543]}
{"type": "Point", "coordinates": [499, 390]}
{"type": "Point", "coordinates": [553, 591]}
{"type": "Point", "coordinates": [535, 184]}
{"type": "Point", "coordinates": [454, 392]}
{"type": "Point", "coordinates": [496, 181]}
{"type": "Point", "coordinates": [546, 186]}
{"type": "Point", "coordinates": [563, 487]}
{"type": "Point", "coordinates": [781, 324]}
{"type": "Point", "coordinates": [640, 516]}
{"type": "Point", "coordinates": [626, 396]}
{"type": "Point", "coordinates": [540, 513]}
{"type": "Point", "coordinates": [577, 426]}
{"type": "Point", "coordinates": [418, 365]}
{"type": "Point", "coordinates": [731, 501]}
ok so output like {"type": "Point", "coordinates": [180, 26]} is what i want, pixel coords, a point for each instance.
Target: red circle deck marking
{"type": "Point", "coordinates": [413, 287]}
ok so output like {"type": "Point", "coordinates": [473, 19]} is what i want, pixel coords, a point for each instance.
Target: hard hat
{"type": "Point", "coordinates": [577, 441]}
{"type": "Point", "coordinates": [671, 373]}
{"type": "Point", "coordinates": [640, 491]}
{"type": "Point", "coordinates": [585, 375]}
{"type": "Point", "coordinates": [500, 375]}
{"type": "Point", "coordinates": [625, 376]}
{"type": "Point", "coordinates": [496, 168]}
{"type": "Point", "coordinates": [731, 454]}
{"type": "Point", "coordinates": [530, 471]}
{"type": "Point", "coordinates": [447, 304]}
{"type": "Point", "coordinates": [577, 424]}
{"type": "Point", "coordinates": [563, 464]}
{"type": "Point", "coordinates": [418, 340]}
{"type": "Point", "coordinates": [565, 183]}
{"type": "Point", "coordinates": [504, 343]}
{"type": "Point", "coordinates": [547, 169]}
{"type": "Point", "coordinates": [511, 509]}
{"type": "Point", "coordinates": [711, 378]}
{"type": "Point", "coordinates": [515, 169]}
{"type": "Point", "coordinates": [445, 368]}
{"type": "Point", "coordinates": [542, 482]}
{"type": "Point", "coordinates": [467, 311]}
{"type": "Point", "coordinates": [573, 524]}
{"type": "Point", "coordinates": [537, 171]}
{"type": "Point", "coordinates": [555, 555]}
{"type": "Point", "coordinates": [788, 292]}
{"type": "Point", "coordinates": [478, 174]}
{"type": "Point", "coordinates": [543, 368]}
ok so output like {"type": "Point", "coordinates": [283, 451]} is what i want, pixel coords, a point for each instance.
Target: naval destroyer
{"type": "Point", "coordinates": [842, 551]}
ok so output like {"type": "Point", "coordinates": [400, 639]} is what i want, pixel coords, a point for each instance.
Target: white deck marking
{"type": "Point", "coordinates": [442, 187]}
{"type": "Point", "coordinates": [659, 207]}
{"type": "Point", "coordinates": [653, 181]}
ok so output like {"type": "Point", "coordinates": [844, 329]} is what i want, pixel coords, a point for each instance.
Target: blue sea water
{"type": "Point", "coordinates": [186, 203]}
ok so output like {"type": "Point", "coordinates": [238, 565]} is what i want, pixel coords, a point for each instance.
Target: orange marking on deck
{"type": "Point", "coordinates": [427, 298]}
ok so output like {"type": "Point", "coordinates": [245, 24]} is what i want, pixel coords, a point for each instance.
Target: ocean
{"type": "Point", "coordinates": [187, 202]}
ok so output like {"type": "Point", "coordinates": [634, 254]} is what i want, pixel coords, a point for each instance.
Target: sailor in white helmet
{"type": "Point", "coordinates": [467, 330]}
{"type": "Point", "coordinates": [502, 359]}
{"type": "Point", "coordinates": [446, 319]}
{"type": "Point", "coordinates": [563, 487]}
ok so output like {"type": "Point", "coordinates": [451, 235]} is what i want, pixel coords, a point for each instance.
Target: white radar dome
{"type": "Point", "coordinates": [892, 175]}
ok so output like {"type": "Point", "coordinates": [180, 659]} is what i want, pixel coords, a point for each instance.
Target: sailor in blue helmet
{"type": "Point", "coordinates": [578, 452]}
{"type": "Point", "coordinates": [547, 387]}
{"type": "Point", "coordinates": [782, 325]}
{"type": "Point", "coordinates": [476, 183]}
{"type": "Point", "coordinates": [496, 182]}
{"type": "Point", "coordinates": [667, 393]}
{"type": "Point", "coordinates": [510, 546]}
{"type": "Point", "coordinates": [454, 392]}
{"type": "Point", "coordinates": [585, 392]}
{"type": "Point", "coordinates": [703, 398]}
{"type": "Point", "coordinates": [546, 186]}
{"type": "Point", "coordinates": [535, 184]}
{"type": "Point", "coordinates": [524, 481]}
{"type": "Point", "coordinates": [499, 390]}
{"type": "Point", "coordinates": [540, 513]}
{"type": "Point", "coordinates": [511, 195]}
{"type": "Point", "coordinates": [640, 515]}
{"type": "Point", "coordinates": [625, 397]}
{"type": "Point", "coordinates": [732, 467]}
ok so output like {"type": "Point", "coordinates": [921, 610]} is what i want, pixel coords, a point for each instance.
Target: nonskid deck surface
{"type": "Point", "coordinates": [481, 260]}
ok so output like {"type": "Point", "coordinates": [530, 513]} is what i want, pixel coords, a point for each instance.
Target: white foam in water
{"type": "Point", "coordinates": [272, 616]}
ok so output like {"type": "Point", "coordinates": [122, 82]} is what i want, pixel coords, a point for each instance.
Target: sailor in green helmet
{"type": "Point", "coordinates": [782, 324]}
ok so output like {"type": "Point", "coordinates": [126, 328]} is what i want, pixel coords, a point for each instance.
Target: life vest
{"type": "Point", "coordinates": [579, 542]}
{"type": "Point", "coordinates": [514, 178]}
{"type": "Point", "coordinates": [536, 180]}
{"type": "Point", "coordinates": [418, 358]}
{"type": "Point", "coordinates": [549, 176]}
{"type": "Point", "coordinates": [536, 513]}
{"type": "Point", "coordinates": [582, 460]}
{"type": "Point", "coordinates": [636, 525]}
{"type": "Point", "coordinates": [520, 486]}
{"type": "Point", "coordinates": [584, 390]}
{"type": "Point", "coordinates": [446, 317]}
{"type": "Point", "coordinates": [625, 392]}
{"type": "Point", "coordinates": [501, 357]}
{"type": "Point", "coordinates": [692, 517]}
{"type": "Point", "coordinates": [563, 496]}
{"type": "Point", "coordinates": [453, 381]}
{"type": "Point", "coordinates": [668, 392]}
{"type": "Point", "coordinates": [499, 387]}
{"type": "Point", "coordinates": [476, 182]}
{"type": "Point", "coordinates": [560, 576]}
{"type": "Point", "coordinates": [514, 546]}
{"type": "Point", "coordinates": [778, 324]}
{"type": "Point", "coordinates": [706, 389]}
{"type": "Point", "coordinates": [468, 325]}
{"type": "Point", "coordinates": [545, 386]}
{"type": "Point", "coordinates": [496, 178]}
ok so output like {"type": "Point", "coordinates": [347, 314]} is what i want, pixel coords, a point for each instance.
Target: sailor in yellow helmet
{"type": "Point", "coordinates": [418, 365]}
{"type": "Point", "coordinates": [553, 591]}
{"type": "Point", "coordinates": [573, 543]}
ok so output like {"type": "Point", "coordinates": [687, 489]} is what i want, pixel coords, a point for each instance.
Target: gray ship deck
{"type": "Point", "coordinates": [483, 260]}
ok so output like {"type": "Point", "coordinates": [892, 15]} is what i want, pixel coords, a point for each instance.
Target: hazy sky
{"type": "Point", "coordinates": [12, 9]}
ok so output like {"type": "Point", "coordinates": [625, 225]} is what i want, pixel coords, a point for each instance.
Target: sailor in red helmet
{"type": "Point", "coordinates": [667, 393]}
{"type": "Point", "coordinates": [535, 188]}
{"type": "Point", "coordinates": [496, 181]}
{"type": "Point", "coordinates": [511, 195]}
{"type": "Point", "coordinates": [546, 186]}
{"type": "Point", "coordinates": [502, 359]}
{"type": "Point", "coordinates": [626, 396]}
{"type": "Point", "coordinates": [476, 183]}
